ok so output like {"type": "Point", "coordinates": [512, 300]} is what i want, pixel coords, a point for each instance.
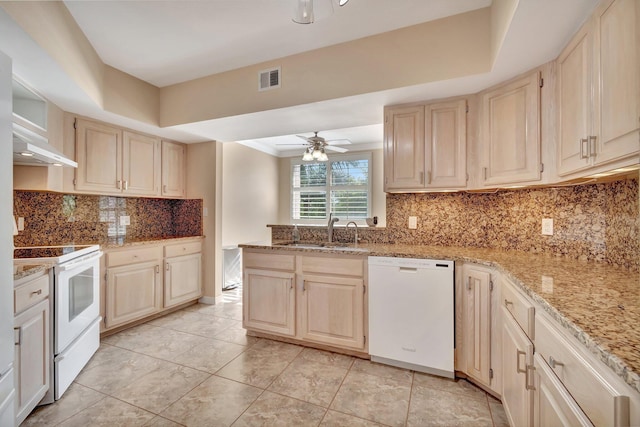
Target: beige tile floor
{"type": "Point", "coordinates": [196, 367]}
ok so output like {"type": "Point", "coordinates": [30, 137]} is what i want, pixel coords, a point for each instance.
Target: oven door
{"type": "Point", "coordinates": [77, 298]}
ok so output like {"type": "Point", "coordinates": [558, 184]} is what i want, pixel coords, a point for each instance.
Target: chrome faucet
{"type": "Point", "coordinates": [355, 238]}
{"type": "Point", "coordinates": [330, 226]}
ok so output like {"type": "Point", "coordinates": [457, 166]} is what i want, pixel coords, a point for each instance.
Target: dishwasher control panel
{"type": "Point", "coordinates": [410, 262]}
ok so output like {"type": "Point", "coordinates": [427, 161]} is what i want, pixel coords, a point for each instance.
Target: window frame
{"type": "Point", "coordinates": [363, 155]}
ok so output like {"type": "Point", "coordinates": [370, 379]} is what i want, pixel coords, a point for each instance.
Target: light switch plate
{"type": "Point", "coordinates": [125, 220]}
{"type": "Point", "coordinates": [547, 226]}
{"type": "Point", "coordinates": [413, 222]}
{"type": "Point", "coordinates": [20, 223]}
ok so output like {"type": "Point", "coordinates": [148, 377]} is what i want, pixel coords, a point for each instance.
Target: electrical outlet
{"type": "Point", "coordinates": [20, 223]}
{"type": "Point", "coordinates": [547, 226]}
{"type": "Point", "coordinates": [547, 284]}
{"type": "Point", "coordinates": [205, 211]}
{"type": "Point", "coordinates": [125, 220]}
{"type": "Point", "coordinates": [413, 222]}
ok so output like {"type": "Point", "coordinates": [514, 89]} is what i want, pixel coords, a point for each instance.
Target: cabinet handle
{"type": "Point", "coordinates": [304, 285]}
{"type": "Point", "coordinates": [164, 188]}
{"type": "Point", "coordinates": [584, 148]}
{"type": "Point", "coordinates": [507, 302]}
{"type": "Point", "coordinates": [157, 269]}
{"type": "Point", "coordinates": [126, 185]}
{"type": "Point", "coordinates": [553, 362]}
{"type": "Point", "coordinates": [422, 178]}
{"type": "Point", "coordinates": [469, 283]}
{"type": "Point", "coordinates": [429, 177]}
{"type": "Point", "coordinates": [38, 292]}
{"type": "Point", "coordinates": [518, 369]}
{"type": "Point", "coordinates": [17, 336]}
{"type": "Point", "coordinates": [529, 374]}
{"type": "Point", "coordinates": [119, 184]}
{"type": "Point", "coordinates": [592, 146]}
{"type": "Point", "coordinates": [484, 171]}
{"type": "Point", "coordinates": [168, 267]}
{"type": "Point", "coordinates": [291, 284]}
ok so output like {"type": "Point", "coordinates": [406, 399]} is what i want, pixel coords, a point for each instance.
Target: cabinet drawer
{"type": "Point", "coordinates": [340, 266]}
{"type": "Point", "coordinates": [599, 399]}
{"type": "Point", "coordinates": [182, 249]}
{"type": "Point", "coordinates": [268, 261]}
{"type": "Point", "coordinates": [31, 293]}
{"type": "Point", "coordinates": [520, 308]}
{"type": "Point", "coordinates": [133, 256]}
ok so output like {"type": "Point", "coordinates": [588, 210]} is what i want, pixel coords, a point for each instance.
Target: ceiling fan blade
{"type": "Point", "coordinates": [298, 144]}
{"type": "Point", "coordinates": [338, 141]}
{"type": "Point", "coordinates": [336, 149]}
{"type": "Point", "coordinates": [303, 137]}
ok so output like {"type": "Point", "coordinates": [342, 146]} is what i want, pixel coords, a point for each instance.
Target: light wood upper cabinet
{"type": "Point", "coordinates": [510, 132]}
{"type": "Point", "coordinates": [99, 157]}
{"type": "Point", "coordinates": [174, 158]}
{"type": "Point", "coordinates": [446, 144]}
{"type": "Point", "coordinates": [599, 90]}
{"type": "Point", "coordinates": [404, 148]}
{"type": "Point", "coordinates": [426, 146]}
{"type": "Point", "coordinates": [140, 164]}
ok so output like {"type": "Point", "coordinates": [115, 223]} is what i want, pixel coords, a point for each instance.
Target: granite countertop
{"type": "Point", "coordinates": [137, 242]}
{"type": "Point", "coordinates": [597, 303]}
{"type": "Point", "coordinates": [20, 271]}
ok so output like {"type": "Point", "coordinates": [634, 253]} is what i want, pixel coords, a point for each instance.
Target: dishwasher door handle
{"type": "Point", "coordinates": [408, 269]}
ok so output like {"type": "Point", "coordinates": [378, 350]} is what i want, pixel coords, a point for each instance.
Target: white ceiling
{"type": "Point", "coordinates": [166, 42]}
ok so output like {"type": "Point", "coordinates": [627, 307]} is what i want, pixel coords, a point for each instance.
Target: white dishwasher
{"type": "Point", "coordinates": [411, 314]}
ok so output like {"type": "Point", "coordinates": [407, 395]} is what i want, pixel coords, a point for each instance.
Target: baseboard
{"type": "Point", "coordinates": [210, 300]}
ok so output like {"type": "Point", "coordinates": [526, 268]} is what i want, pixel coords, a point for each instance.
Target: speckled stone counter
{"type": "Point", "coordinates": [597, 303]}
{"type": "Point", "coordinates": [139, 242]}
{"type": "Point", "coordinates": [20, 271]}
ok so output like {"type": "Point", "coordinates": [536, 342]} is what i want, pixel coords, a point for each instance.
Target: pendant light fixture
{"type": "Point", "coordinates": [315, 153]}
{"type": "Point", "coordinates": [303, 12]}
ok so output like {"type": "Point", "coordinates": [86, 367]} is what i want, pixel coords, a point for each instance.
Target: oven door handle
{"type": "Point", "coordinates": [79, 261]}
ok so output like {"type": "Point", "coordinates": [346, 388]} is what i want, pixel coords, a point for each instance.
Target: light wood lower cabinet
{"type": "Point", "coordinates": [146, 280]}
{"type": "Point", "coordinates": [319, 300]}
{"type": "Point", "coordinates": [269, 301]}
{"type": "Point", "coordinates": [517, 360]}
{"type": "Point", "coordinates": [32, 344]}
{"type": "Point", "coordinates": [133, 292]}
{"type": "Point", "coordinates": [332, 311]}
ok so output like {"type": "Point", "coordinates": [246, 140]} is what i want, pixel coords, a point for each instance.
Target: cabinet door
{"type": "Point", "coordinates": [552, 403]}
{"type": "Point", "coordinates": [446, 144]}
{"type": "Point", "coordinates": [511, 132]}
{"type": "Point", "coordinates": [99, 157]}
{"type": "Point", "coordinates": [32, 358]}
{"type": "Point", "coordinates": [477, 324]}
{"type": "Point", "coordinates": [332, 311]}
{"type": "Point", "coordinates": [617, 79]}
{"type": "Point", "coordinates": [517, 358]}
{"type": "Point", "coordinates": [183, 279]}
{"type": "Point", "coordinates": [269, 301]}
{"type": "Point", "coordinates": [404, 148]}
{"type": "Point", "coordinates": [173, 169]}
{"type": "Point", "coordinates": [132, 292]}
{"type": "Point", "coordinates": [140, 164]}
{"type": "Point", "coordinates": [574, 103]}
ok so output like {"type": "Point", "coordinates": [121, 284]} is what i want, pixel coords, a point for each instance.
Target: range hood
{"type": "Point", "coordinates": [32, 149]}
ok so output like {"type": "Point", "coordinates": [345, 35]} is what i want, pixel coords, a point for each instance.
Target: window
{"type": "Point", "coordinates": [340, 186]}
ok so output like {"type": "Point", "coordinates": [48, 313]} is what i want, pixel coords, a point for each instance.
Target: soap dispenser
{"type": "Point", "coordinates": [295, 234]}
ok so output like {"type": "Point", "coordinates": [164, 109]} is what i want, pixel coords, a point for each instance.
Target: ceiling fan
{"type": "Point", "coordinates": [303, 10]}
{"type": "Point", "coordinates": [316, 146]}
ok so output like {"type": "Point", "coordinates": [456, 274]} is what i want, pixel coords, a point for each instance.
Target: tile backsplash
{"type": "Point", "coordinates": [55, 218]}
{"type": "Point", "coordinates": [598, 222]}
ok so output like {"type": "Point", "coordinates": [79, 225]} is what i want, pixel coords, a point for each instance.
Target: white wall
{"type": "Point", "coordinates": [249, 194]}
{"type": "Point", "coordinates": [378, 196]}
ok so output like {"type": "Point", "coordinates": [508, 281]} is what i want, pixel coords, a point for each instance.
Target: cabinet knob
{"type": "Point", "coordinates": [38, 292]}
{"type": "Point", "coordinates": [507, 302]}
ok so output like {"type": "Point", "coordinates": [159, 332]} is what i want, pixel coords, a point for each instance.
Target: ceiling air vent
{"type": "Point", "coordinates": [269, 79]}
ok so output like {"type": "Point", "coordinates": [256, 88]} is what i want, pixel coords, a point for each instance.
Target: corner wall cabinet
{"type": "Point", "coordinates": [314, 300]}
{"type": "Point", "coordinates": [32, 343]}
{"type": "Point", "coordinates": [599, 90]}
{"type": "Point", "coordinates": [510, 132]}
{"type": "Point", "coordinates": [425, 146]}
{"type": "Point", "coordinates": [121, 162]}
{"type": "Point", "coordinates": [143, 281]}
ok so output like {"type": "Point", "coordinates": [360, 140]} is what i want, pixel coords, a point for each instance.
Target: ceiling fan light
{"type": "Point", "coordinates": [316, 154]}
{"type": "Point", "coordinates": [307, 156]}
{"type": "Point", "coordinates": [303, 12]}
{"type": "Point", "coordinates": [323, 156]}
{"type": "Point", "coordinates": [342, 2]}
